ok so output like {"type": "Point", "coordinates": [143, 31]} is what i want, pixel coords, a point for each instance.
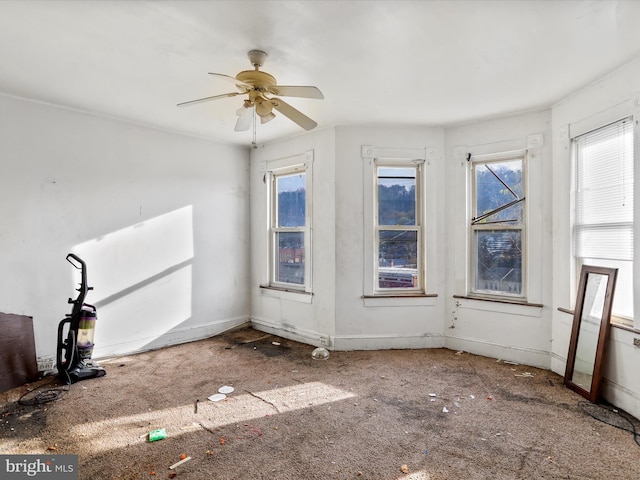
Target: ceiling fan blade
{"type": "Point", "coordinates": [207, 99]}
{"type": "Point", "coordinates": [244, 122]}
{"type": "Point", "coordinates": [233, 80]}
{"type": "Point", "coordinates": [293, 114]}
{"type": "Point", "coordinates": [296, 91]}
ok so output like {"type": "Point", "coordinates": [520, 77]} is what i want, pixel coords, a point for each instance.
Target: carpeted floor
{"type": "Point", "coordinates": [387, 415]}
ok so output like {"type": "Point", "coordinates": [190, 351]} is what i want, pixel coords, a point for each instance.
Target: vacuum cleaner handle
{"type": "Point", "coordinates": [79, 264]}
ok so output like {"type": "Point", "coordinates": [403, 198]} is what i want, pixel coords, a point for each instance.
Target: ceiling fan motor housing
{"type": "Point", "coordinates": [261, 81]}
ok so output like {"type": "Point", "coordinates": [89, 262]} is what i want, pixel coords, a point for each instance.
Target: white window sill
{"type": "Point", "coordinates": [499, 306]}
{"type": "Point", "coordinates": [286, 294]}
{"type": "Point", "coordinates": [621, 324]}
{"type": "Point", "coordinates": [407, 300]}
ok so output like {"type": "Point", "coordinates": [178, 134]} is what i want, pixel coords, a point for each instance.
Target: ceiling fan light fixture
{"type": "Point", "coordinates": [263, 107]}
{"type": "Point", "coordinates": [267, 118]}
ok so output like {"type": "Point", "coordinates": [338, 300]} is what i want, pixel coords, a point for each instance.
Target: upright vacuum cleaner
{"type": "Point", "coordinates": [73, 358]}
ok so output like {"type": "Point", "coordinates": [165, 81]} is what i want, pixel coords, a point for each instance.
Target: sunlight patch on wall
{"type": "Point", "coordinates": [132, 321]}
{"type": "Point", "coordinates": [142, 280]}
{"type": "Point", "coordinates": [131, 429]}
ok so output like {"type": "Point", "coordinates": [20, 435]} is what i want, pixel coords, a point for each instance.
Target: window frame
{"type": "Point", "coordinates": [418, 227]}
{"type": "Point", "coordinates": [578, 261]}
{"type": "Point", "coordinates": [473, 290]}
{"type": "Point", "coordinates": [299, 164]}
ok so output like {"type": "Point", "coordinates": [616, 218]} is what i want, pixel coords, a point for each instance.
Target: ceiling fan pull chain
{"type": "Point", "coordinates": [254, 144]}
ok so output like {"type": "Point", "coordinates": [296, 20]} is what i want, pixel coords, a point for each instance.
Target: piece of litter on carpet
{"type": "Point", "coordinates": [445, 410]}
{"type": "Point", "coordinates": [186, 459]}
{"type": "Point", "coordinates": [216, 397]}
{"type": "Point", "coordinates": [226, 389]}
{"type": "Point", "coordinates": [158, 434]}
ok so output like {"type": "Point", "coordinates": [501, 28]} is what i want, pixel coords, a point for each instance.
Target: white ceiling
{"type": "Point", "coordinates": [377, 62]}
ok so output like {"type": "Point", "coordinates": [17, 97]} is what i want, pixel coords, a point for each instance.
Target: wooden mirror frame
{"type": "Point", "coordinates": [603, 333]}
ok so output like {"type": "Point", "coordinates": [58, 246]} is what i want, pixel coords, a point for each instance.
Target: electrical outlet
{"type": "Point", "coordinates": [636, 342]}
{"type": "Point", "coordinates": [324, 341]}
{"type": "Point", "coordinates": [45, 364]}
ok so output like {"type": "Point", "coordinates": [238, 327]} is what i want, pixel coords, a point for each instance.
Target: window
{"type": "Point", "coordinates": [603, 217]}
{"type": "Point", "coordinates": [398, 233]}
{"type": "Point", "coordinates": [289, 227]}
{"type": "Point", "coordinates": [498, 226]}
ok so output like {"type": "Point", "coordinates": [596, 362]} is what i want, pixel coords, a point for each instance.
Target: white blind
{"type": "Point", "coordinates": [604, 192]}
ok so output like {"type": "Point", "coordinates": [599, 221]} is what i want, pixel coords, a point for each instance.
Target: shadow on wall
{"type": "Point", "coordinates": [142, 280]}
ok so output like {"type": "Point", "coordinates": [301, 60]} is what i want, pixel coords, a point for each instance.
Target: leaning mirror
{"type": "Point", "coordinates": [590, 332]}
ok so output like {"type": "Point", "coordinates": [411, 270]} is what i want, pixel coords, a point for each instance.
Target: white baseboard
{"type": "Point", "coordinates": [310, 337]}
{"type": "Point", "coordinates": [348, 342]}
{"type": "Point", "coordinates": [621, 397]}
{"type": "Point", "coordinates": [522, 355]}
{"type": "Point", "coordinates": [387, 342]}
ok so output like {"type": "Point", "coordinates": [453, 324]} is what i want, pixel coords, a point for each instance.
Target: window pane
{"type": "Point", "coordinates": [604, 219]}
{"type": "Point", "coordinates": [499, 265]}
{"type": "Point", "coordinates": [604, 175]}
{"type": "Point", "coordinates": [614, 242]}
{"type": "Point", "coordinates": [396, 196]}
{"type": "Point", "coordinates": [623, 295]}
{"type": "Point", "coordinates": [290, 257]}
{"type": "Point", "coordinates": [397, 258]}
{"type": "Point", "coordinates": [291, 200]}
{"type": "Point", "coordinates": [499, 184]}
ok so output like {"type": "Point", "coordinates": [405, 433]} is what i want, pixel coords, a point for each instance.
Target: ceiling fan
{"type": "Point", "coordinates": [259, 86]}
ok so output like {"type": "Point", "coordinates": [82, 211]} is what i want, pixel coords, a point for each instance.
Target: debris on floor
{"type": "Point", "coordinates": [177, 464]}
{"type": "Point", "coordinates": [320, 353]}
{"type": "Point", "coordinates": [158, 434]}
{"type": "Point", "coordinates": [404, 468]}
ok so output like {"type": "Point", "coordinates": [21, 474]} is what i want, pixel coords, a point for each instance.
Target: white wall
{"type": "Point", "coordinates": [520, 333]}
{"type": "Point", "coordinates": [336, 312]}
{"type": "Point", "coordinates": [306, 318]}
{"type": "Point", "coordinates": [141, 207]}
{"type": "Point", "coordinates": [388, 323]}
{"type": "Point", "coordinates": [612, 98]}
